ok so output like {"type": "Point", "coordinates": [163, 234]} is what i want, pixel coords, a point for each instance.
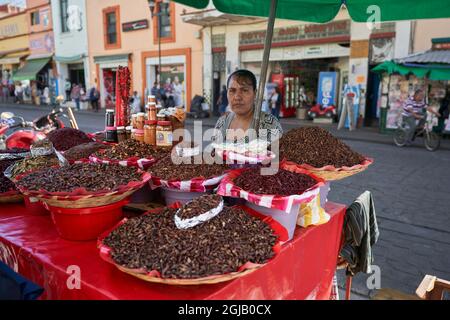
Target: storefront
{"type": "Point", "coordinates": [106, 67]}
{"type": "Point", "coordinates": [299, 55]}
{"type": "Point", "coordinates": [175, 76]}
{"type": "Point", "coordinates": [429, 71]}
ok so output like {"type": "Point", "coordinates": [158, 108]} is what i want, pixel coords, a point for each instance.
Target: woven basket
{"type": "Point", "coordinates": [245, 269]}
{"type": "Point", "coordinates": [86, 201]}
{"type": "Point", "coordinates": [10, 197]}
{"type": "Point", "coordinates": [330, 173]}
{"type": "Point", "coordinates": [189, 282]}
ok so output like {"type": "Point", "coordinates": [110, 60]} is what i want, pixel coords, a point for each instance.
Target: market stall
{"type": "Point", "coordinates": [30, 244]}
{"type": "Point", "coordinates": [205, 230]}
{"type": "Point", "coordinates": [429, 71]}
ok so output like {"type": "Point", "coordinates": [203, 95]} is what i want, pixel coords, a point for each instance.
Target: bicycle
{"type": "Point", "coordinates": [432, 140]}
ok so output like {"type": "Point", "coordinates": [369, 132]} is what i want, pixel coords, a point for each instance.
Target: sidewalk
{"type": "Point", "coordinates": [364, 134]}
{"type": "Point", "coordinates": [46, 108]}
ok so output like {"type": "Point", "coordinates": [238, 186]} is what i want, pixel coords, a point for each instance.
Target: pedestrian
{"type": "Point", "coordinates": [276, 100]}
{"type": "Point", "coordinates": [75, 95]}
{"type": "Point", "coordinates": [46, 96]}
{"type": "Point", "coordinates": [18, 93]}
{"type": "Point", "coordinates": [136, 103]}
{"type": "Point", "coordinates": [67, 88]}
{"type": "Point", "coordinates": [177, 92]}
{"type": "Point", "coordinates": [5, 92]}
{"type": "Point", "coordinates": [222, 102]}
{"type": "Point", "coordinates": [94, 96]}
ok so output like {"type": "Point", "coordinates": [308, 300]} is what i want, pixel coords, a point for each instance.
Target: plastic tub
{"type": "Point", "coordinates": [172, 195]}
{"type": "Point", "coordinates": [87, 223]}
{"type": "Point", "coordinates": [287, 219]}
{"type": "Point", "coordinates": [35, 207]}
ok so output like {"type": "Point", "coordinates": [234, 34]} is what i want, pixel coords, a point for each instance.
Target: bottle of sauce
{"type": "Point", "coordinates": [111, 131]}
{"type": "Point", "coordinates": [150, 132]}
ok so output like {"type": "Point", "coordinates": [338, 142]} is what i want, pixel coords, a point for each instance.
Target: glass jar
{"type": "Point", "coordinates": [139, 135]}
{"type": "Point", "coordinates": [150, 132]}
{"type": "Point", "coordinates": [164, 134]}
{"type": "Point", "coordinates": [128, 131]}
{"type": "Point", "coordinates": [121, 134]}
{"type": "Point", "coordinates": [151, 111]}
{"type": "Point", "coordinates": [134, 121]}
{"type": "Point", "coordinates": [140, 121]}
{"type": "Point", "coordinates": [151, 98]}
{"type": "Point", "coordinates": [110, 129]}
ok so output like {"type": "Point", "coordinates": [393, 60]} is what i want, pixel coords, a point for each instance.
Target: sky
{"type": "Point", "coordinates": [20, 3]}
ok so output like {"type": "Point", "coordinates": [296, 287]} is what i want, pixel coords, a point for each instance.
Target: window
{"type": "Point", "coordinates": [165, 20]}
{"type": "Point", "coordinates": [64, 15]}
{"type": "Point", "coordinates": [165, 16]}
{"type": "Point", "coordinates": [111, 28]}
{"type": "Point", "coordinates": [35, 18]}
{"type": "Point", "coordinates": [111, 23]}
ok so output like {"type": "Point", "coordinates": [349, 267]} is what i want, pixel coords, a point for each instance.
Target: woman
{"type": "Point", "coordinates": [234, 126]}
{"type": "Point", "coordinates": [276, 100]}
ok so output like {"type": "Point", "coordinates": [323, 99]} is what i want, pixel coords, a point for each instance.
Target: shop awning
{"type": "Point", "coordinates": [430, 71]}
{"type": "Point", "coordinates": [30, 69]}
{"type": "Point", "coordinates": [72, 59]}
{"type": "Point", "coordinates": [13, 58]}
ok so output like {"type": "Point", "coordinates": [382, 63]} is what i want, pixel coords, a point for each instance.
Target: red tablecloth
{"type": "Point", "coordinates": [30, 245]}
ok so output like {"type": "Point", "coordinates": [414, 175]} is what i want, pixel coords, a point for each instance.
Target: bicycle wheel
{"type": "Point", "coordinates": [400, 137]}
{"type": "Point", "coordinates": [432, 140]}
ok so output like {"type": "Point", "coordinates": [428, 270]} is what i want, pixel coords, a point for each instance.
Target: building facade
{"type": "Point", "coordinates": [71, 43]}
{"type": "Point", "coordinates": [338, 55]}
{"type": "Point", "coordinates": [14, 43]}
{"type": "Point", "coordinates": [38, 71]}
{"type": "Point", "coordinates": [121, 34]}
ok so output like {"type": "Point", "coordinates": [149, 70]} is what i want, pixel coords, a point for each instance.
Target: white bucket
{"type": "Point", "coordinates": [172, 195]}
{"type": "Point", "coordinates": [287, 219]}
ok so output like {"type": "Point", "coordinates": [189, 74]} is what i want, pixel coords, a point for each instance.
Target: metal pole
{"type": "Point", "coordinates": [265, 64]}
{"type": "Point", "coordinates": [159, 42]}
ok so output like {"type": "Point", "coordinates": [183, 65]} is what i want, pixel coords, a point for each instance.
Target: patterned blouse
{"type": "Point", "coordinates": [269, 128]}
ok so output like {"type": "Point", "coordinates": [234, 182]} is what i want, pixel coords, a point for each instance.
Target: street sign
{"type": "Point", "coordinates": [135, 25]}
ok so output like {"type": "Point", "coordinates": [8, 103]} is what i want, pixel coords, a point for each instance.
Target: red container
{"type": "Point", "coordinates": [35, 207]}
{"type": "Point", "coordinates": [86, 223]}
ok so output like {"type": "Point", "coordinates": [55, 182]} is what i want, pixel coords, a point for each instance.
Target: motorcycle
{"type": "Point", "coordinates": [32, 130]}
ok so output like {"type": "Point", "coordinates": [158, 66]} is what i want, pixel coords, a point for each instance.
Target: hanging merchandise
{"type": "Point", "coordinates": [123, 82]}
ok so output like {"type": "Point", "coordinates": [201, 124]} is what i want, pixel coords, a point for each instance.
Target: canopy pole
{"type": "Point", "coordinates": [264, 65]}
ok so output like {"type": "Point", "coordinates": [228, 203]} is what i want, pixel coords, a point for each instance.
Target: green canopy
{"type": "Point", "coordinates": [30, 69]}
{"type": "Point", "coordinates": [325, 10]}
{"type": "Point", "coordinates": [430, 71]}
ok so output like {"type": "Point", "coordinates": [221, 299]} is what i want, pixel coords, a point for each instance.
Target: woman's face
{"type": "Point", "coordinates": [241, 96]}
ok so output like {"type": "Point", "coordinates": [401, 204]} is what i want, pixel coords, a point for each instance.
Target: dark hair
{"type": "Point", "coordinates": [242, 74]}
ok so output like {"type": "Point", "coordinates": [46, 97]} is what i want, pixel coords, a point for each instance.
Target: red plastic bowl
{"type": "Point", "coordinates": [35, 207]}
{"type": "Point", "coordinates": [86, 223]}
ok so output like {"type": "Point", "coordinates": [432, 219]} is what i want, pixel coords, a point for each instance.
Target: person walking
{"type": "Point", "coordinates": [76, 95]}
{"type": "Point", "coordinates": [136, 103]}
{"type": "Point", "coordinates": [67, 88]}
{"type": "Point", "coordinates": [222, 102]}
{"type": "Point", "coordinates": [276, 100]}
{"type": "Point", "coordinates": [94, 96]}
{"type": "Point", "coordinates": [18, 93]}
